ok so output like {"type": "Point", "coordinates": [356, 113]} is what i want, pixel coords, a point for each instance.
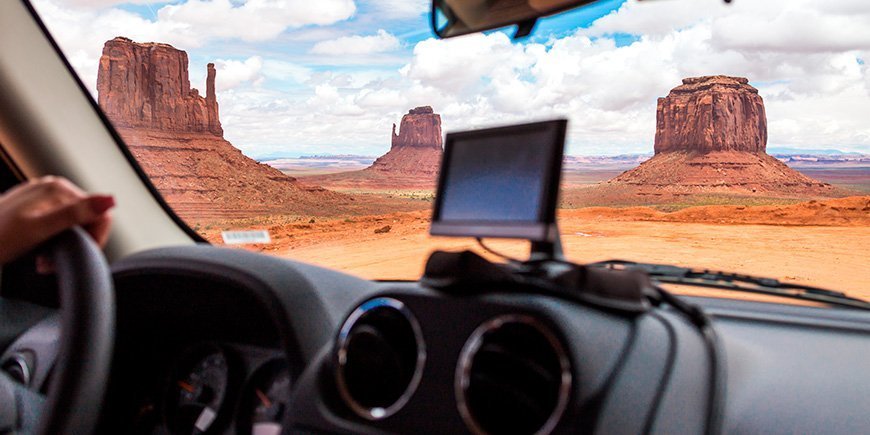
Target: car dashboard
{"type": "Point", "coordinates": [213, 340]}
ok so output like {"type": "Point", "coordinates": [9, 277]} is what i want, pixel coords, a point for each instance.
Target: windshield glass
{"type": "Point", "coordinates": [731, 137]}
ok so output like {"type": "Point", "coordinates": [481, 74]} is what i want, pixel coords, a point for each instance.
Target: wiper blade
{"type": "Point", "coordinates": [736, 282]}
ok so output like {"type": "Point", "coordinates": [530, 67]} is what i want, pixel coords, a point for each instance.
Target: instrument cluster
{"type": "Point", "coordinates": [215, 388]}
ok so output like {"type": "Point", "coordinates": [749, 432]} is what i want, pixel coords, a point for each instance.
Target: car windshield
{"type": "Point", "coordinates": [725, 136]}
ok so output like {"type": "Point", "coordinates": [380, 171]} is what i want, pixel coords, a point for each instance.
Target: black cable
{"type": "Point", "coordinates": [497, 253]}
{"type": "Point", "coordinates": [718, 373]}
{"type": "Point", "coordinates": [696, 315]}
{"type": "Point", "coordinates": [669, 370]}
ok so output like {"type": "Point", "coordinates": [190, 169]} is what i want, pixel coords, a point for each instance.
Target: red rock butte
{"type": "Point", "coordinates": [420, 128]}
{"type": "Point", "coordinates": [715, 113]}
{"type": "Point", "coordinates": [711, 137]}
{"type": "Point", "coordinates": [411, 163]}
{"type": "Point", "coordinates": [417, 148]}
{"type": "Point", "coordinates": [148, 86]}
{"type": "Point", "coordinates": [176, 136]}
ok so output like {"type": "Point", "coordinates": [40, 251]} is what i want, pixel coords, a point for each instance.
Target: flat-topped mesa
{"type": "Point", "coordinates": [711, 113]}
{"type": "Point", "coordinates": [146, 85]}
{"type": "Point", "coordinates": [420, 128]}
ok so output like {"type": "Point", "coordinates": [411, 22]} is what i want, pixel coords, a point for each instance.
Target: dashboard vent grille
{"type": "Point", "coordinates": [380, 356]}
{"type": "Point", "coordinates": [513, 377]}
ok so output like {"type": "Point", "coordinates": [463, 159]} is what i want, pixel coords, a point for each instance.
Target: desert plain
{"type": "Point", "coordinates": [710, 195]}
{"type": "Point", "coordinates": [818, 242]}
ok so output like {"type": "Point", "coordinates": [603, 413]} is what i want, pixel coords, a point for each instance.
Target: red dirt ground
{"type": "Point", "coordinates": [820, 243]}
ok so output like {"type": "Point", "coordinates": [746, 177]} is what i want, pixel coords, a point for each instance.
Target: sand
{"type": "Point", "coordinates": [816, 243]}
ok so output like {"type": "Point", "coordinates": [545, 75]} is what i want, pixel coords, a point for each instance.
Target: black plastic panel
{"type": "Point", "coordinates": [789, 369]}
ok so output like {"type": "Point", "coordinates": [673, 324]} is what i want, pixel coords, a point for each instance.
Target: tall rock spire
{"type": "Point", "coordinates": [214, 123]}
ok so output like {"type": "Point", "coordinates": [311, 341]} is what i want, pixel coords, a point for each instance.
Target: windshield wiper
{"type": "Point", "coordinates": [736, 282]}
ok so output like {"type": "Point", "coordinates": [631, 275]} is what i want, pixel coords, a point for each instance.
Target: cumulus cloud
{"type": "Point", "coordinates": [609, 91]}
{"type": "Point", "coordinates": [234, 72]}
{"type": "Point", "coordinates": [816, 98]}
{"type": "Point", "coordinates": [254, 20]}
{"type": "Point", "coordinates": [807, 58]}
{"type": "Point", "coordinates": [380, 42]}
{"type": "Point", "coordinates": [82, 31]}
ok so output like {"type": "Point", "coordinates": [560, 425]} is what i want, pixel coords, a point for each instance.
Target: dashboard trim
{"type": "Point", "coordinates": [378, 413]}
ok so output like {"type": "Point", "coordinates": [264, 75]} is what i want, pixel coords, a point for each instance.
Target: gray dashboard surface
{"type": "Point", "coordinates": [790, 369]}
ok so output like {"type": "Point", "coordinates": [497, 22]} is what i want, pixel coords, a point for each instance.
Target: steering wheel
{"type": "Point", "coordinates": [87, 320]}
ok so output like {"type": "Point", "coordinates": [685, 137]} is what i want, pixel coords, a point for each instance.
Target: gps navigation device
{"type": "Point", "coordinates": [501, 182]}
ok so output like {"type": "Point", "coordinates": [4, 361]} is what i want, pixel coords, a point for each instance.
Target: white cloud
{"type": "Point", "coordinates": [657, 18]}
{"type": "Point", "coordinates": [798, 27]}
{"type": "Point", "coordinates": [233, 73]}
{"type": "Point", "coordinates": [609, 92]}
{"type": "Point", "coordinates": [380, 42]}
{"type": "Point", "coordinates": [453, 65]}
{"type": "Point", "coordinates": [808, 59]}
{"type": "Point", "coordinates": [254, 20]}
{"type": "Point", "coordinates": [81, 32]}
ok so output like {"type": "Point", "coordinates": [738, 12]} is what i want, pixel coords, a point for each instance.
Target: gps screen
{"type": "Point", "coordinates": [500, 177]}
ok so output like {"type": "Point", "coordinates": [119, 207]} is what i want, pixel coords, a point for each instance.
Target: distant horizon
{"type": "Point", "coordinates": [772, 151]}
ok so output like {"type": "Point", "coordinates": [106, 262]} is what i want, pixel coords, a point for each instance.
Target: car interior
{"type": "Point", "coordinates": [161, 332]}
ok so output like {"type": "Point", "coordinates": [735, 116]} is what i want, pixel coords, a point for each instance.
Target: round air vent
{"type": "Point", "coordinates": [380, 358]}
{"type": "Point", "coordinates": [513, 377]}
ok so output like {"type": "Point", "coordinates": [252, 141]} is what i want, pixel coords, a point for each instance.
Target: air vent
{"type": "Point", "coordinates": [380, 358]}
{"type": "Point", "coordinates": [513, 377]}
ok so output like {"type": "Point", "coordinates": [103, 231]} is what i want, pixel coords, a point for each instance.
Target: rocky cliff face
{"type": "Point", "coordinates": [147, 86]}
{"type": "Point", "coordinates": [713, 113]}
{"type": "Point", "coordinates": [176, 136]}
{"type": "Point", "coordinates": [420, 128]}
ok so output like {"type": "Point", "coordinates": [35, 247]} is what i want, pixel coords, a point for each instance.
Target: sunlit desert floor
{"type": "Point", "coordinates": [816, 243]}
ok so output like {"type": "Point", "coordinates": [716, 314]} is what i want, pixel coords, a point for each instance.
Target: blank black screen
{"type": "Point", "coordinates": [497, 178]}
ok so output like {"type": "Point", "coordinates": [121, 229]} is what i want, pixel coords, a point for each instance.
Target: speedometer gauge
{"type": "Point", "coordinates": [266, 400]}
{"type": "Point", "coordinates": [197, 392]}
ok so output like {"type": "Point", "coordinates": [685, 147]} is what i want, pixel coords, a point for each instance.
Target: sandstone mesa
{"type": "Point", "coordinates": [714, 113]}
{"type": "Point", "coordinates": [176, 136]}
{"type": "Point", "coordinates": [711, 138]}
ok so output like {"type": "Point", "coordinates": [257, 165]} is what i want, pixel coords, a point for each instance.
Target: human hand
{"type": "Point", "coordinates": [39, 209]}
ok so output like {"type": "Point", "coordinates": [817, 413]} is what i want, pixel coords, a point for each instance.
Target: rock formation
{"type": "Point", "coordinates": [417, 149]}
{"type": "Point", "coordinates": [711, 138]}
{"type": "Point", "coordinates": [411, 163]}
{"type": "Point", "coordinates": [147, 86]}
{"type": "Point", "coordinates": [420, 128]}
{"type": "Point", "coordinates": [176, 136]}
{"type": "Point", "coordinates": [706, 114]}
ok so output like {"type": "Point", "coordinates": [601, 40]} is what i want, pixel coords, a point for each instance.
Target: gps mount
{"type": "Point", "coordinates": [504, 183]}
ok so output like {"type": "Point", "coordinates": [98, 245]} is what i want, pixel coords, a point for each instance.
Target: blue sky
{"type": "Point", "coordinates": [331, 76]}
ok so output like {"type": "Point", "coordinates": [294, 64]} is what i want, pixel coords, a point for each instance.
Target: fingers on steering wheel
{"type": "Point", "coordinates": [67, 205]}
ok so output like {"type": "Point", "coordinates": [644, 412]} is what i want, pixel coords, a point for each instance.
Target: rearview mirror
{"type": "Point", "coordinates": [459, 17]}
